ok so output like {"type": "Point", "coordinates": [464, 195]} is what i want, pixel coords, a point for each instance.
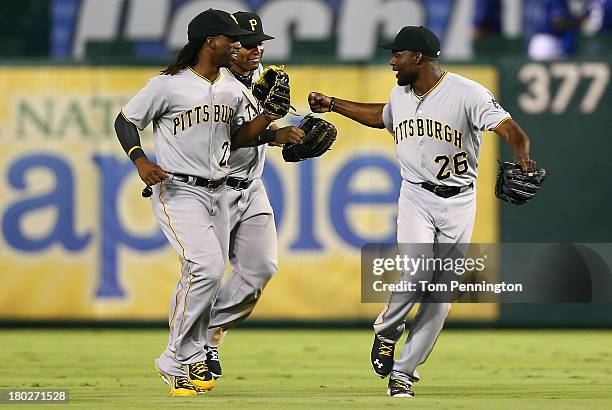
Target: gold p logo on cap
{"type": "Point", "coordinates": [253, 24]}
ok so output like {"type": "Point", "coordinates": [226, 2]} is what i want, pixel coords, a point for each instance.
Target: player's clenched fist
{"type": "Point", "coordinates": [526, 163]}
{"type": "Point", "coordinates": [150, 172]}
{"type": "Point", "coordinates": [319, 102]}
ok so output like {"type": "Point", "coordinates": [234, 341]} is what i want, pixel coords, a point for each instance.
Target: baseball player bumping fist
{"type": "Point", "coordinates": [437, 119]}
{"type": "Point", "coordinates": [198, 114]}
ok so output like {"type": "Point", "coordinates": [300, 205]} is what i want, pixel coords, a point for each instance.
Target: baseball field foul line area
{"type": "Point", "coordinates": [318, 369]}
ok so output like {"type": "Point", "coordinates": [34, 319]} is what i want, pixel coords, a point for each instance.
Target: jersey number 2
{"type": "Point", "coordinates": [459, 167]}
{"type": "Point", "coordinates": [224, 158]}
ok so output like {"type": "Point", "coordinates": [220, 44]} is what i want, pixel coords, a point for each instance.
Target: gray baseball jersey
{"type": "Point", "coordinates": [438, 135]}
{"type": "Point", "coordinates": [248, 162]}
{"type": "Point", "coordinates": [193, 120]}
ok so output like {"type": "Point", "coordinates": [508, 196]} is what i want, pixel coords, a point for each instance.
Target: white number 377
{"type": "Point", "coordinates": [538, 97]}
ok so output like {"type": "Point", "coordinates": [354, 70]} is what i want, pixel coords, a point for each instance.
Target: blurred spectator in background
{"type": "Point", "coordinates": [487, 26]}
{"type": "Point", "coordinates": [600, 17]}
{"type": "Point", "coordinates": [598, 28]}
{"type": "Point", "coordinates": [556, 29]}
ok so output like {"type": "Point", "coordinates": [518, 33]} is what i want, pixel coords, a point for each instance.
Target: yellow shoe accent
{"type": "Point", "coordinates": [203, 385]}
{"type": "Point", "coordinates": [179, 386]}
{"type": "Point", "coordinates": [182, 387]}
{"type": "Point", "coordinates": [200, 377]}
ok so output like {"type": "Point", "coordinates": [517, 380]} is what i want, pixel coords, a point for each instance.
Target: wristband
{"type": "Point", "coordinates": [331, 104]}
{"type": "Point", "coordinates": [136, 152]}
{"type": "Point", "coordinates": [266, 136]}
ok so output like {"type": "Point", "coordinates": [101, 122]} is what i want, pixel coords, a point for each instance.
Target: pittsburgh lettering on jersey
{"type": "Point", "coordinates": [426, 127]}
{"type": "Point", "coordinates": [194, 116]}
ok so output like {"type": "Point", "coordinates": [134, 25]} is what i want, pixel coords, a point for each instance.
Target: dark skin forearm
{"type": "Point", "coordinates": [369, 114]}
{"type": "Point", "coordinates": [518, 142]}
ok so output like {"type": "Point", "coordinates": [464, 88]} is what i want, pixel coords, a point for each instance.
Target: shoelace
{"type": "Point", "coordinates": [183, 383]}
{"type": "Point", "coordinates": [214, 353]}
{"type": "Point", "coordinates": [199, 367]}
{"type": "Point", "coordinates": [385, 349]}
{"type": "Point", "coordinates": [401, 384]}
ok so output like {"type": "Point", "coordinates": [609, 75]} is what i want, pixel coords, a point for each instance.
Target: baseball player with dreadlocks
{"type": "Point", "coordinates": [197, 113]}
{"type": "Point", "coordinates": [437, 119]}
{"type": "Point", "coordinates": [252, 247]}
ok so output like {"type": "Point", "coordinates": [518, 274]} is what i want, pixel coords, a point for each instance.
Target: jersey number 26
{"type": "Point", "coordinates": [459, 165]}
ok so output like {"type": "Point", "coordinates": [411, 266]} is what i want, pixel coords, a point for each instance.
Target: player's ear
{"type": "Point", "coordinates": [211, 42]}
{"type": "Point", "coordinates": [418, 58]}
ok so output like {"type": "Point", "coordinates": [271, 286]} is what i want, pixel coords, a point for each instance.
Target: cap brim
{"type": "Point", "coordinates": [392, 47]}
{"type": "Point", "coordinates": [388, 46]}
{"type": "Point", "coordinates": [255, 38]}
{"type": "Point", "coordinates": [237, 32]}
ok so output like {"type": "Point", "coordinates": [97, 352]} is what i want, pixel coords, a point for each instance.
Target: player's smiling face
{"type": "Point", "coordinates": [249, 57]}
{"type": "Point", "coordinates": [405, 65]}
{"type": "Point", "coordinates": [226, 50]}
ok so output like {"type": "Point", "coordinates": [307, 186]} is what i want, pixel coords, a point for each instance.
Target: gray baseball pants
{"type": "Point", "coordinates": [196, 222]}
{"type": "Point", "coordinates": [423, 218]}
{"type": "Point", "coordinates": [253, 256]}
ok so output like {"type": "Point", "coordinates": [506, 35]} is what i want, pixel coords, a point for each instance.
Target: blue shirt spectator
{"type": "Point", "coordinates": [556, 32]}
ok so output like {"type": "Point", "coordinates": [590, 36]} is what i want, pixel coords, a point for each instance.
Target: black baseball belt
{"type": "Point", "coordinates": [444, 191]}
{"type": "Point", "coordinates": [237, 183]}
{"type": "Point", "coordinates": [199, 181]}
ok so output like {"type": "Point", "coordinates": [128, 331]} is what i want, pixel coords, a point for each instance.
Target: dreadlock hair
{"type": "Point", "coordinates": [187, 57]}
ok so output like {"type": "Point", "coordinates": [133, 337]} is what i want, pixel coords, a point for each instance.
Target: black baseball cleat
{"type": "Point", "coordinates": [382, 357]}
{"type": "Point", "coordinates": [212, 361]}
{"type": "Point", "coordinates": [400, 388]}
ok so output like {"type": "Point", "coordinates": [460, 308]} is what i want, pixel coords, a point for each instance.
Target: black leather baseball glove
{"type": "Point", "coordinates": [515, 186]}
{"type": "Point", "coordinates": [319, 135]}
{"type": "Point", "coordinates": [272, 91]}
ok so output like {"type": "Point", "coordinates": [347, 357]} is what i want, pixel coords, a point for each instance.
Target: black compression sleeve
{"type": "Point", "coordinates": [264, 137]}
{"type": "Point", "coordinates": [128, 136]}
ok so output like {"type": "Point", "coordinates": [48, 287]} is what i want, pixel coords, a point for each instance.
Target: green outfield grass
{"type": "Point", "coordinates": [309, 369]}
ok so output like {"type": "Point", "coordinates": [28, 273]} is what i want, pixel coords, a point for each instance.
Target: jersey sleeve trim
{"type": "Point", "coordinates": [500, 123]}
{"type": "Point", "coordinates": [130, 121]}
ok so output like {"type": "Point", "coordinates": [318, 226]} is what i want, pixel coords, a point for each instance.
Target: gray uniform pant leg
{"type": "Point", "coordinates": [253, 256]}
{"type": "Point", "coordinates": [428, 219]}
{"type": "Point", "coordinates": [196, 223]}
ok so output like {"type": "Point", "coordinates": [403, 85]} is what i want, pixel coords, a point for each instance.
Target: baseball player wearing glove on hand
{"type": "Point", "coordinates": [437, 119]}
{"type": "Point", "coordinates": [197, 113]}
{"type": "Point", "coordinates": [252, 246]}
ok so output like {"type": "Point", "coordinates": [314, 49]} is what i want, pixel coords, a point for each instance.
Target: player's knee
{"type": "Point", "coordinates": [262, 271]}
{"type": "Point", "coordinates": [443, 309]}
{"type": "Point", "coordinates": [212, 267]}
{"type": "Point", "coordinates": [268, 269]}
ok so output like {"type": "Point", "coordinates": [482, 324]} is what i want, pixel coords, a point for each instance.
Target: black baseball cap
{"type": "Point", "coordinates": [213, 23]}
{"type": "Point", "coordinates": [252, 23]}
{"type": "Point", "coordinates": [418, 39]}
